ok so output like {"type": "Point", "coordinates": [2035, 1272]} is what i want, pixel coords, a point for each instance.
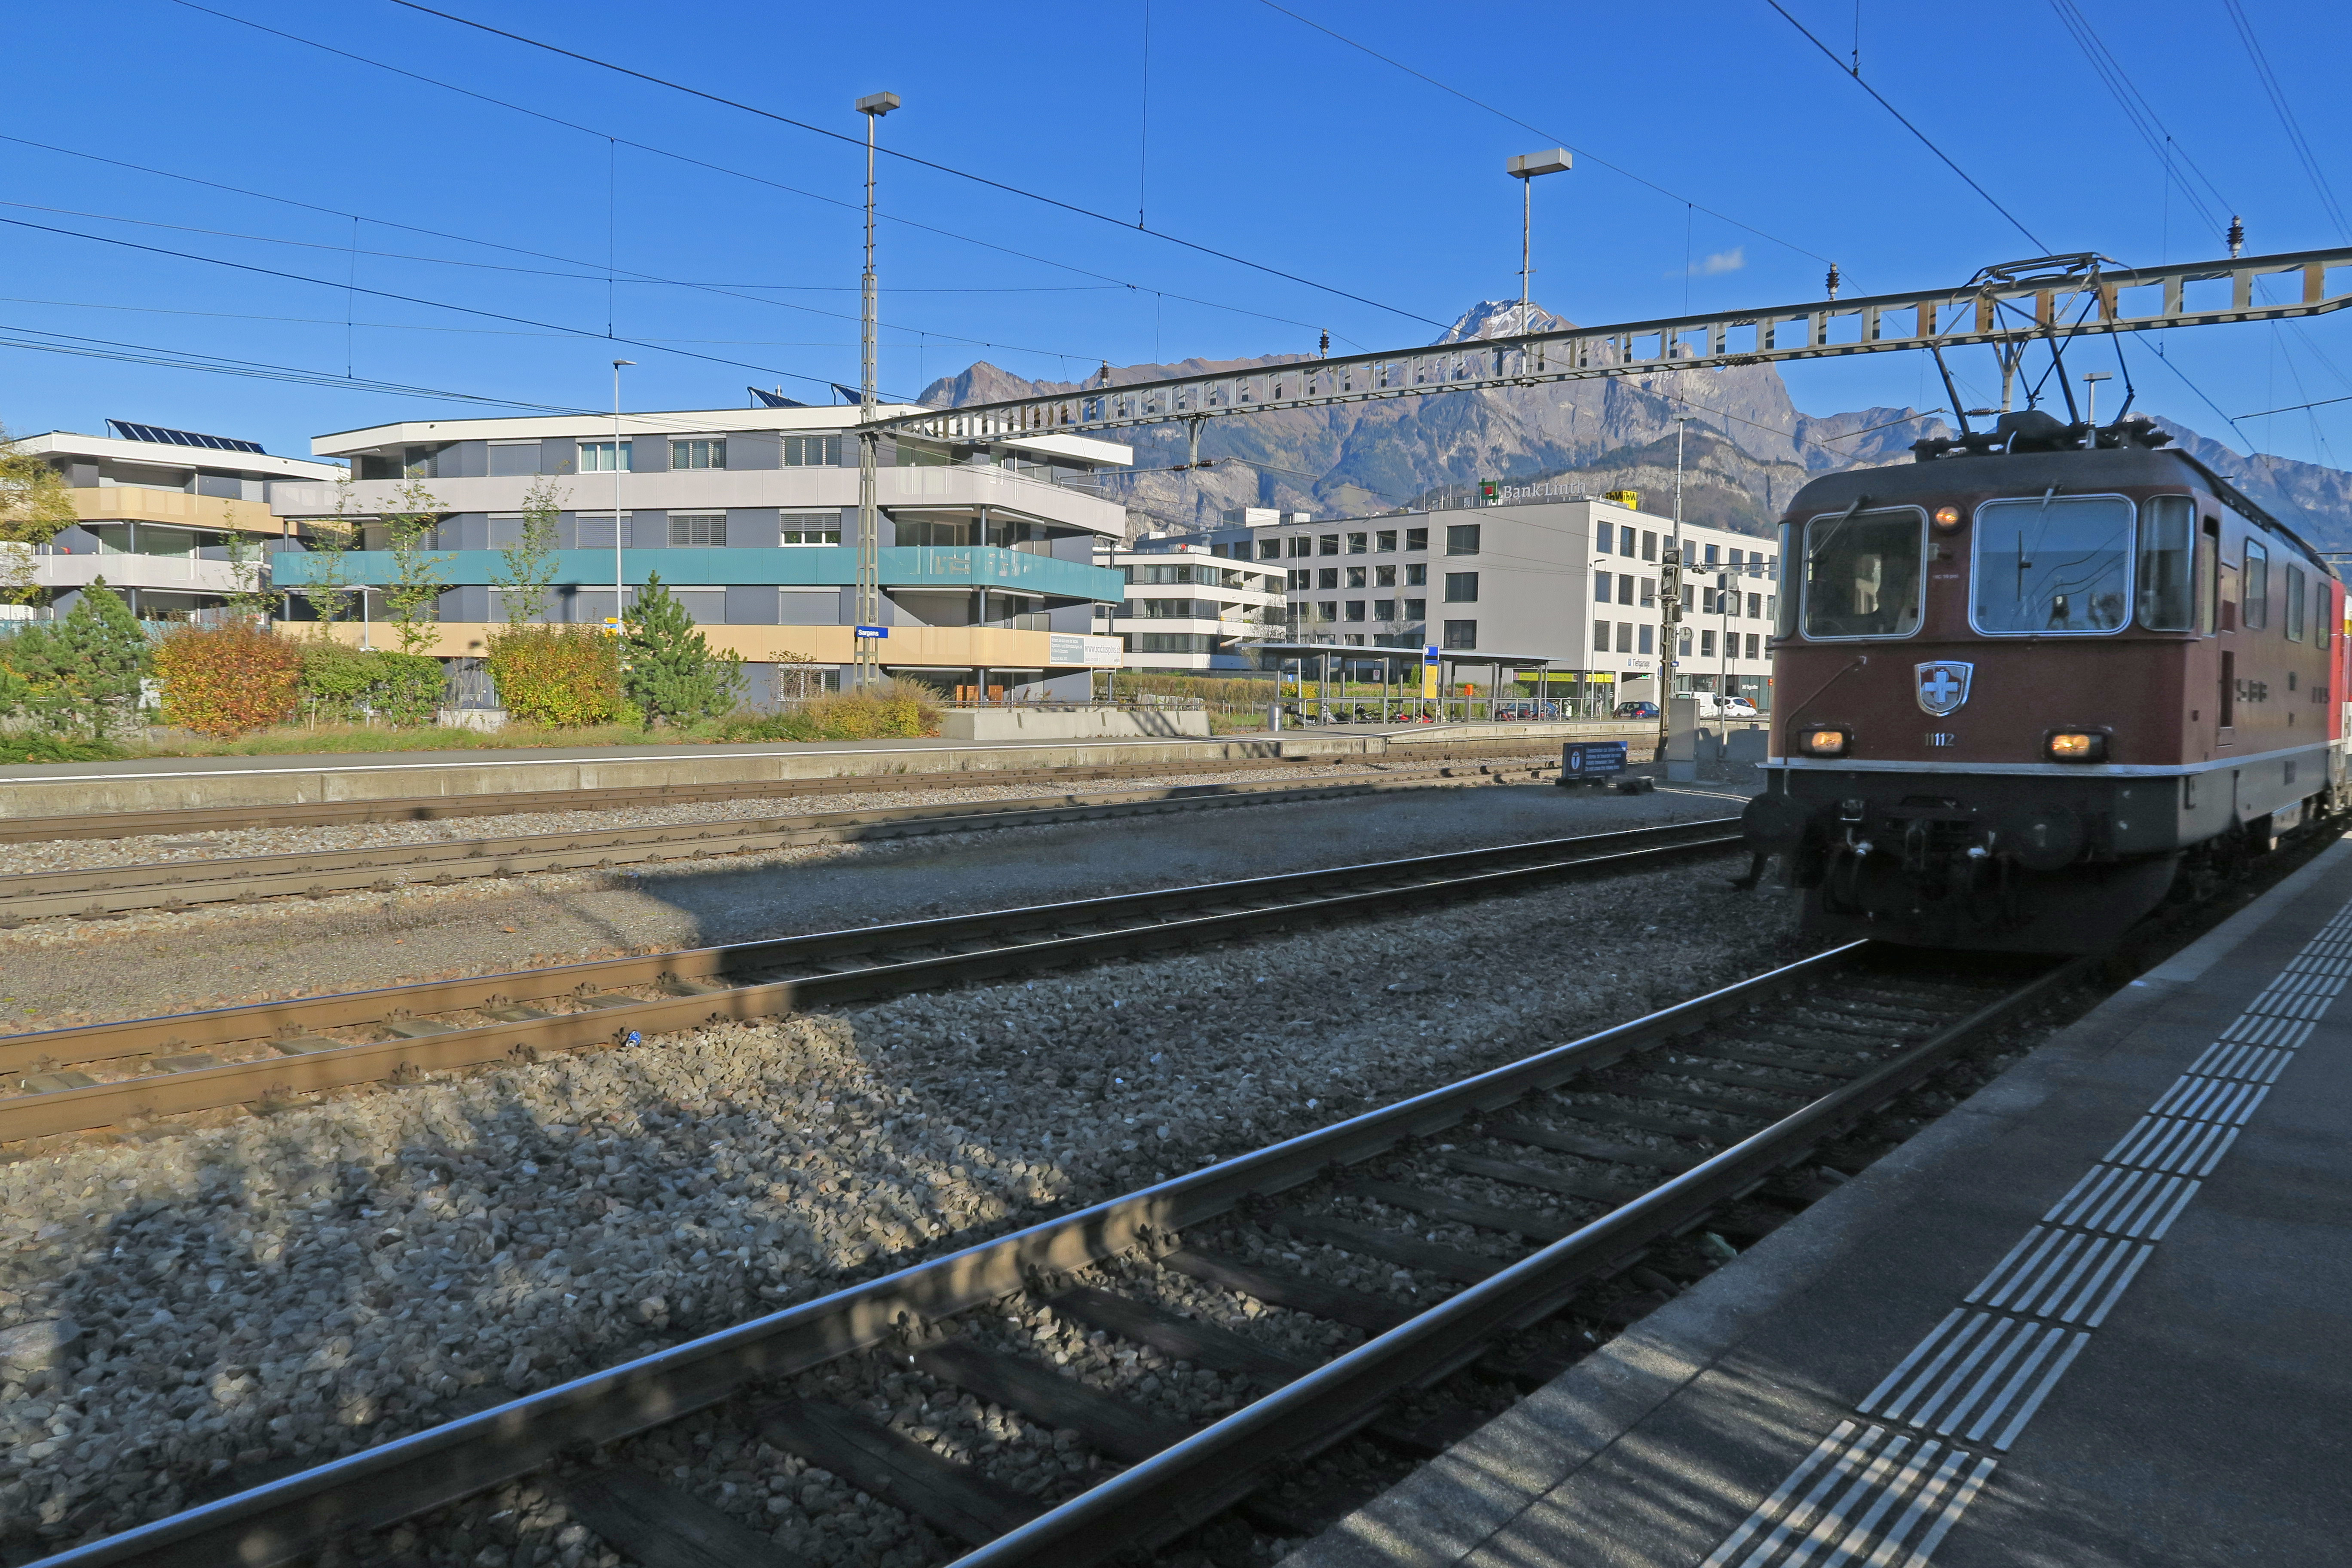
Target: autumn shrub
{"type": "Point", "coordinates": [894, 710]}
{"type": "Point", "coordinates": [228, 680]}
{"type": "Point", "coordinates": [343, 684]}
{"type": "Point", "coordinates": [562, 676]}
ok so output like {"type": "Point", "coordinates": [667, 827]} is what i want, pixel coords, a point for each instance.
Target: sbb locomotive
{"type": "Point", "coordinates": [2037, 680]}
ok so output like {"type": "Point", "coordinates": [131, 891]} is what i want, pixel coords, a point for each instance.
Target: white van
{"type": "Point", "coordinates": [1712, 706]}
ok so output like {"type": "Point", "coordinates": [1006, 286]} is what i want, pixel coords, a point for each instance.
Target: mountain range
{"type": "Point", "coordinates": [1747, 446]}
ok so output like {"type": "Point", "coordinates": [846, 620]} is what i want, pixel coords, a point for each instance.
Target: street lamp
{"type": "Point", "coordinates": [619, 592]}
{"type": "Point", "coordinates": [868, 665]}
{"type": "Point", "coordinates": [1524, 167]}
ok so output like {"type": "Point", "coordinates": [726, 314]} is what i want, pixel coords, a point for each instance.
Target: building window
{"type": "Point", "coordinates": [1355, 609]}
{"type": "Point", "coordinates": [1354, 639]}
{"type": "Point", "coordinates": [1649, 590]}
{"type": "Point", "coordinates": [1707, 645]}
{"type": "Point", "coordinates": [810, 528]}
{"type": "Point", "coordinates": [1462, 538]}
{"type": "Point", "coordinates": [1327, 609]}
{"type": "Point", "coordinates": [1649, 546]}
{"type": "Point", "coordinates": [1300, 544]}
{"type": "Point", "coordinates": [1359, 543]}
{"type": "Point", "coordinates": [1751, 645]}
{"type": "Point", "coordinates": [1301, 578]}
{"type": "Point", "coordinates": [1416, 539]}
{"type": "Point", "coordinates": [596, 458]}
{"type": "Point", "coordinates": [1415, 609]}
{"type": "Point", "coordinates": [696, 529]}
{"type": "Point", "coordinates": [1685, 642]}
{"type": "Point", "coordinates": [1269, 550]}
{"type": "Point", "coordinates": [1645, 638]}
{"type": "Point", "coordinates": [1600, 633]}
{"type": "Point", "coordinates": [1355, 576]}
{"type": "Point", "coordinates": [1386, 541]}
{"type": "Point", "coordinates": [1754, 607]}
{"type": "Point", "coordinates": [1624, 637]}
{"type": "Point", "coordinates": [1384, 609]}
{"type": "Point", "coordinates": [1626, 541]}
{"type": "Point", "coordinates": [1710, 556]}
{"type": "Point", "coordinates": [697, 454]}
{"type": "Point", "coordinates": [1416, 576]}
{"type": "Point", "coordinates": [1624, 587]}
{"type": "Point", "coordinates": [1460, 635]}
{"type": "Point", "coordinates": [1603, 587]}
{"type": "Point", "coordinates": [511, 459]}
{"type": "Point", "coordinates": [1462, 587]}
{"type": "Point", "coordinates": [1383, 576]}
{"type": "Point", "coordinates": [1328, 577]}
{"type": "Point", "coordinates": [812, 451]}
{"type": "Point", "coordinates": [1327, 544]}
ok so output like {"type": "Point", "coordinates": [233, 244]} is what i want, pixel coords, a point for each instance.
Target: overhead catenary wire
{"type": "Point", "coordinates": [1552, 136]}
{"type": "Point", "coordinates": [2293, 128]}
{"type": "Point", "coordinates": [911, 158]}
{"type": "Point", "coordinates": [1925, 140]}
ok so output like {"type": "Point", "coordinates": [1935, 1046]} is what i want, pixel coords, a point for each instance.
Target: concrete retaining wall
{"type": "Point", "coordinates": [1022, 723]}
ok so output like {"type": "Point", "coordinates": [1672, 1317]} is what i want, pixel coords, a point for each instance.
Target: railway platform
{"type": "Point", "coordinates": [2098, 1314]}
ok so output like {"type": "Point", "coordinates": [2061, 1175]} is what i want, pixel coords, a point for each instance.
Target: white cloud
{"type": "Point", "coordinates": [1730, 260]}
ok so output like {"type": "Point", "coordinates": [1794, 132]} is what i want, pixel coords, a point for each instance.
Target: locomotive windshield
{"type": "Point", "coordinates": [2053, 564]}
{"type": "Point", "coordinates": [1861, 574]}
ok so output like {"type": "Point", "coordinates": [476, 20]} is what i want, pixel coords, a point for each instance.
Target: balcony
{"type": "Point", "coordinates": [131, 503]}
{"type": "Point", "coordinates": [807, 566]}
{"type": "Point", "coordinates": [176, 573]}
{"type": "Point", "coordinates": [944, 647]}
{"type": "Point", "coordinates": [964, 488]}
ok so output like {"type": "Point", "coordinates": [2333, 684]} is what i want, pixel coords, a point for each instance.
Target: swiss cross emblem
{"type": "Point", "coordinates": [1943, 685]}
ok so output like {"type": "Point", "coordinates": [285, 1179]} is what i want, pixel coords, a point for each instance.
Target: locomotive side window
{"type": "Point", "coordinates": [2209, 572]}
{"type": "Point", "coordinates": [1784, 616]}
{"type": "Point", "coordinates": [1862, 576]}
{"type": "Point", "coordinates": [2053, 564]}
{"type": "Point", "coordinates": [2167, 543]}
{"type": "Point", "coordinates": [2294, 591]}
{"type": "Point", "coordinates": [2254, 589]}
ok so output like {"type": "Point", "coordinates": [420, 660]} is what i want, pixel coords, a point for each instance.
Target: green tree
{"type": "Point", "coordinates": [530, 560]}
{"type": "Point", "coordinates": [666, 669]}
{"type": "Point", "coordinates": [329, 544]}
{"type": "Point", "coordinates": [416, 581]}
{"type": "Point", "coordinates": [250, 596]}
{"type": "Point", "coordinates": [83, 673]}
{"type": "Point", "coordinates": [34, 504]}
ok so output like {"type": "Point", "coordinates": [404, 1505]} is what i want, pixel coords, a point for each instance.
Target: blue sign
{"type": "Point", "coordinates": [1429, 653]}
{"type": "Point", "coordinates": [873, 631]}
{"type": "Point", "coordinates": [1590, 757]}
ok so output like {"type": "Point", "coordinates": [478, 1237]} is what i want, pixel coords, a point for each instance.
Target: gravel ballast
{"type": "Point", "coordinates": [181, 1310]}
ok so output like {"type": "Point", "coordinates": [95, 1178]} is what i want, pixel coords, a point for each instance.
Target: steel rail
{"type": "Point", "coordinates": [822, 969]}
{"type": "Point", "coordinates": [281, 1520]}
{"type": "Point", "coordinates": [427, 809]}
{"type": "Point", "coordinates": [100, 891]}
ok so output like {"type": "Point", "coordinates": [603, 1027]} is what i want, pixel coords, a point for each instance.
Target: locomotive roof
{"type": "Point", "coordinates": [2031, 473]}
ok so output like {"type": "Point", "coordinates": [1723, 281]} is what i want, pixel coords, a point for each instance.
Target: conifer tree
{"type": "Point", "coordinates": [83, 672]}
{"type": "Point", "coordinates": [666, 668]}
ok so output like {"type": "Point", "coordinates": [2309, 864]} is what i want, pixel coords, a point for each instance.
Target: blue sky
{"type": "Point", "coordinates": [1721, 158]}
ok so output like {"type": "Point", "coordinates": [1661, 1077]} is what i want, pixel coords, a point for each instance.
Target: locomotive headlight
{"type": "Point", "coordinates": [1823, 742]}
{"type": "Point", "coordinates": [2077, 746]}
{"type": "Point", "coordinates": [1948, 518]}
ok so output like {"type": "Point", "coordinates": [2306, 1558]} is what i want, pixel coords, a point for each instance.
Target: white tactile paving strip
{"type": "Point", "coordinates": [1883, 1489]}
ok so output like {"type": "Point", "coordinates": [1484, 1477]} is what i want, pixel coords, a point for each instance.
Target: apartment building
{"type": "Point", "coordinates": [749, 517]}
{"type": "Point", "coordinates": [165, 515]}
{"type": "Point", "coordinates": [1574, 580]}
{"type": "Point", "coordinates": [1185, 607]}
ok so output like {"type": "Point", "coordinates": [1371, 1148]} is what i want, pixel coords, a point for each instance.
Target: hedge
{"type": "Point", "coordinates": [560, 676]}
{"type": "Point", "coordinates": [226, 681]}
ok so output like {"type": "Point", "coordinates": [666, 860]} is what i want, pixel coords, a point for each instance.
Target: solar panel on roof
{"type": "Point", "coordinates": [129, 431]}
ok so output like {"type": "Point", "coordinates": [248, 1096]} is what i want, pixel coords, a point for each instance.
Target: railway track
{"type": "Point", "coordinates": [1561, 1186]}
{"type": "Point", "coordinates": [109, 1074]}
{"type": "Point", "coordinates": [99, 891]}
{"type": "Point", "coordinates": [429, 808]}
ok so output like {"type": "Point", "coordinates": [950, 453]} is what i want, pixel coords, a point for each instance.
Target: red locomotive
{"type": "Point", "coordinates": [2035, 681]}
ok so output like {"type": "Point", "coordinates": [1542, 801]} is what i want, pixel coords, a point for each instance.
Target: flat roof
{"type": "Point", "coordinates": [1452, 656]}
{"type": "Point", "coordinates": [837, 416]}
{"type": "Point", "coordinates": [169, 455]}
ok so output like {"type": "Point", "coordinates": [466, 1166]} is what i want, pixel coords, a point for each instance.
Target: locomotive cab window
{"type": "Point", "coordinates": [2167, 541]}
{"type": "Point", "coordinates": [1862, 577]}
{"type": "Point", "coordinates": [2052, 565]}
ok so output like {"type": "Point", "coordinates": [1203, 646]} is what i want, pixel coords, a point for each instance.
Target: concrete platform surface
{"type": "Point", "coordinates": [158, 784]}
{"type": "Point", "coordinates": [2099, 1315]}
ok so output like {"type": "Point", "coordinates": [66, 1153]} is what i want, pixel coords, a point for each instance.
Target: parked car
{"type": "Point", "coordinates": [1637, 710]}
{"type": "Point", "coordinates": [1711, 706]}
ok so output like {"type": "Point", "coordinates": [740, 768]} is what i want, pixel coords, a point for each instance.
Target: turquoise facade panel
{"type": "Point", "coordinates": [811, 567]}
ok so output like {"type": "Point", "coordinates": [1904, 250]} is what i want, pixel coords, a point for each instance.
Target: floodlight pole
{"type": "Point", "coordinates": [868, 667]}
{"type": "Point", "coordinates": [1524, 167]}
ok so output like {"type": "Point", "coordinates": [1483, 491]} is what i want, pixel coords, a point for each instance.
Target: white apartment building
{"type": "Point", "coordinates": [1184, 606]}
